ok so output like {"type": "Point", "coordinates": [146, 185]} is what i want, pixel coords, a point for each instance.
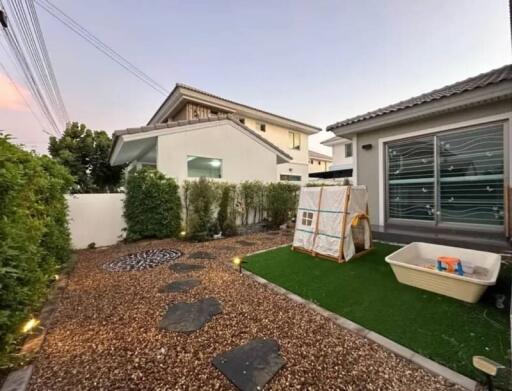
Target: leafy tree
{"type": "Point", "coordinates": [85, 153]}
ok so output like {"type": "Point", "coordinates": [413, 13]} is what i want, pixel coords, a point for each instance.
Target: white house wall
{"type": "Point", "coordinates": [243, 157]}
{"type": "Point", "coordinates": [338, 155]}
{"type": "Point", "coordinates": [95, 218]}
{"type": "Point", "coordinates": [278, 136]}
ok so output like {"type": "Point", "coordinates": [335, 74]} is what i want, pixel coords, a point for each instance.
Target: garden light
{"type": "Point", "coordinates": [30, 325]}
{"type": "Point", "coordinates": [183, 234]}
{"type": "Point", "coordinates": [56, 277]}
{"type": "Point", "coordinates": [237, 262]}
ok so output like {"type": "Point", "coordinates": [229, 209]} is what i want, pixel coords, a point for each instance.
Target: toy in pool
{"type": "Point", "coordinates": [450, 264]}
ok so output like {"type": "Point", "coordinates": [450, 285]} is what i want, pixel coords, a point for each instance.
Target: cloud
{"type": "Point", "coordinates": [10, 98]}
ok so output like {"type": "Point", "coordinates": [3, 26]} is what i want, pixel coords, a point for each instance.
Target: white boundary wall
{"type": "Point", "coordinates": [95, 218]}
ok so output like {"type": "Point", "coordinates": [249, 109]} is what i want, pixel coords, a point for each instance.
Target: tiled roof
{"type": "Point", "coordinates": [187, 87]}
{"type": "Point", "coordinates": [318, 155]}
{"type": "Point", "coordinates": [149, 128]}
{"type": "Point", "coordinates": [484, 79]}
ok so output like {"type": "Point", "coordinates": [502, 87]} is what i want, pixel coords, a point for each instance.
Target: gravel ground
{"type": "Point", "coordinates": [105, 332]}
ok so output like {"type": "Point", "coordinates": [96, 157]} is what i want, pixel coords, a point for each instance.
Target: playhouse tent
{"type": "Point", "coordinates": [332, 221]}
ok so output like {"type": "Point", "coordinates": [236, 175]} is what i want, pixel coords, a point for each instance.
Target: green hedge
{"type": "Point", "coordinates": [273, 203]}
{"type": "Point", "coordinates": [282, 201]}
{"type": "Point", "coordinates": [34, 235]}
{"type": "Point", "coordinates": [152, 206]}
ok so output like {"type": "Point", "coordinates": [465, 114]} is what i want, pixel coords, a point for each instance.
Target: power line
{"type": "Point", "coordinates": [81, 31]}
{"type": "Point", "coordinates": [30, 78]}
{"type": "Point", "coordinates": [23, 97]}
{"type": "Point", "coordinates": [26, 42]}
{"type": "Point", "coordinates": [19, 16]}
{"type": "Point", "coordinates": [28, 25]}
{"type": "Point", "coordinates": [46, 56]}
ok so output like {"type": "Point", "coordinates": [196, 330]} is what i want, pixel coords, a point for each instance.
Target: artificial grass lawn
{"type": "Point", "coordinates": [366, 291]}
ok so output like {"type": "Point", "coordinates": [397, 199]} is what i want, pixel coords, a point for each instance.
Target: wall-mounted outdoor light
{"type": "Point", "coordinates": [366, 147]}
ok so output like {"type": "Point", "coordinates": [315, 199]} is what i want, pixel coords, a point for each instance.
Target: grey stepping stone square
{"type": "Point", "coordinates": [250, 366]}
{"type": "Point", "coordinates": [245, 243]}
{"type": "Point", "coordinates": [180, 286]}
{"type": "Point", "coordinates": [188, 317]}
{"type": "Point", "coordinates": [185, 267]}
{"type": "Point", "coordinates": [202, 255]}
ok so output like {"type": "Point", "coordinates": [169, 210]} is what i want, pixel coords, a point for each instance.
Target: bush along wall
{"type": "Point", "coordinates": [34, 236]}
{"type": "Point", "coordinates": [213, 207]}
{"type": "Point", "coordinates": [282, 200]}
{"type": "Point", "coordinates": [152, 206]}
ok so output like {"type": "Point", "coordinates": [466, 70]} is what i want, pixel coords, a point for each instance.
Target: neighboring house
{"type": "Point", "coordinates": [440, 160]}
{"type": "Point", "coordinates": [342, 152]}
{"type": "Point", "coordinates": [194, 133]}
{"type": "Point", "coordinates": [318, 162]}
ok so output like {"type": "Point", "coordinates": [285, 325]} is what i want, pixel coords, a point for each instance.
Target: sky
{"type": "Point", "coordinates": [315, 61]}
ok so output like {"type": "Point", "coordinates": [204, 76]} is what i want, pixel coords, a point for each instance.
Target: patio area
{"type": "Point", "coordinates": [105, 333]}
{"type": "Point", "coordinates": [365, 291]}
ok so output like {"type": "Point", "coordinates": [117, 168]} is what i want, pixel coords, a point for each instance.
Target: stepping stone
{"type": "Point", "coordinates": [201, 255]}
{"type": "Point", "coordinates": [245, 243]}
{"type": "Point", "coordinates": [180, 286]}
{"type": "Point", "coordinates": [188, 317]}
{"type": "Point", "coordinates": [273, 233]}
{"type": "Point", "coordinates": [250, 366]}
{"type": "Point", "coordinates": [185, 267]}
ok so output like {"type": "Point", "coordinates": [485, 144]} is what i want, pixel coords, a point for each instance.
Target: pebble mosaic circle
{"type": "Point", "coordinates": [142, 260]}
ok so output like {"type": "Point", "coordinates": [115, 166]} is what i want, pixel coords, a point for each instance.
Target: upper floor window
{"type": "Point", "coordinates": [203, 166]}
{"type": "Point", "coordinates": [263, 127]}
{"type": "Point", "coordinates": [242, 120]}
{"type": "Point", "coordinates": [348, 150]}
{"type": "Point", "coordinates": [294, 140]}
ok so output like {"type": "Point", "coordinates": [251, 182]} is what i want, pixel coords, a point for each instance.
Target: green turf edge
{"type": "Point", "coordinates": [365, 291]}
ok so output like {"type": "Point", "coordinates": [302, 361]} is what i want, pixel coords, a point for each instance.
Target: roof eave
{"type": "Point", "coordinates": [491, 93]}
{"type": "Point", "coordinates": [131, 134]}
{"type": "Point", "coordinates": [181, 93]}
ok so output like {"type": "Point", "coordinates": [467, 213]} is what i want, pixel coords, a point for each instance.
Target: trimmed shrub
{"type": "Point", "coordinates": [34, 236]}
{"type": "Point", "coordinates": [152, 206]}
{"type": "Point", "coordinates": [202, 225]}
{"type": "Point", "coordinates": [226, 216]}
{"type": "Point", "coordinates": [282, 199]}
{"type": "Point", "coordinates": [248, 199]}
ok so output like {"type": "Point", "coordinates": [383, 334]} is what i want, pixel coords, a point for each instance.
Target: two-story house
{"type": "Point", "coordinates": [195, 133]}
{"type": "Point", "coordinates": [318, 162]}
{"type": "Point", "coordinates": [341, 164]}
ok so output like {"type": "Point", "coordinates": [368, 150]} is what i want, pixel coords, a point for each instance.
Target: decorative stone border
{"type": "Point", "coordinates": [388, 344]}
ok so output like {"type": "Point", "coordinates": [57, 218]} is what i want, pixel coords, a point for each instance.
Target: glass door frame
{"type": "Point", "coordinates": [436, 221]}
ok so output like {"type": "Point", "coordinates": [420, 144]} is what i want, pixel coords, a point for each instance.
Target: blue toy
{"type": "Point", "coordinates": [450, 264]}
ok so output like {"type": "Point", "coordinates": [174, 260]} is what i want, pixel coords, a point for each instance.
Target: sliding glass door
{"type": "Point", "coordinates": [449, 178]}
{"type": "Point", "coordinates": [411, 178]}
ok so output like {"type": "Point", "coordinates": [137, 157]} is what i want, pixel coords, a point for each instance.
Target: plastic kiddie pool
{"type": "Point", "coordinates": [415, 265]}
